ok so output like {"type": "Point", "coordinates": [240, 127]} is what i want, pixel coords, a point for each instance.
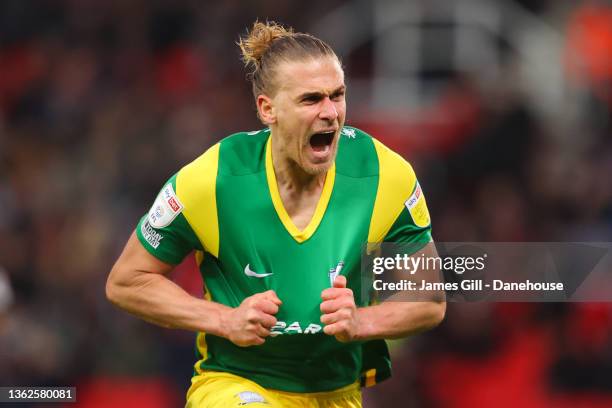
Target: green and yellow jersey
{"type": "Point", "coordinates": [226, 206]}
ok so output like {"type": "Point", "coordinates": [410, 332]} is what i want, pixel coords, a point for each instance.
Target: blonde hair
{"type": "Point", "coordinates": [268, 44]}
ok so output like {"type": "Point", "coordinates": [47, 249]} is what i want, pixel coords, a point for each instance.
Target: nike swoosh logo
{"type": "Point", "coordinates": [249, 272]}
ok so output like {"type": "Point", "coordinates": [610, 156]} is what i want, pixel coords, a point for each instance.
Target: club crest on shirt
{"type": "Point", "coordinates": [418, 208]}
{"type": "Point", "coordinates": [348, 132]}
{"type": "Point", "coordinates": [165, 208]}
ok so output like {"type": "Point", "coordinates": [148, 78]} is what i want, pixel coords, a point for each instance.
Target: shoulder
{"type": "Point", "coordinates": [199, 172]}
{"type": "Point", "coordinates": [239, 153]}
{"type": "Point", "coordinates": [356, 155]}
{"type": "Point", "coordinates": [243, 153]}
{"type": "Point", "coordinates": [393, 168]}
{"type": "Point", "coordinates": [398, 193]}
{"type": "Point", "coordinates": [360, 154]}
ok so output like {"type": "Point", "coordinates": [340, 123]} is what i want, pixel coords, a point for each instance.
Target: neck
{"type": "Point", "coordinates": [289, 174]}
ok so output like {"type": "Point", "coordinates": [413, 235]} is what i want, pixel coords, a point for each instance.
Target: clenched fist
{"type": "Point", "coordinates": [339, 311]}
{"type": "Point", "coordinates": [249, 324]}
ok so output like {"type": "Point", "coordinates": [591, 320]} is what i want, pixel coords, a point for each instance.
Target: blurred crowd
{"type": "Point", "coordinates": [100, 102]}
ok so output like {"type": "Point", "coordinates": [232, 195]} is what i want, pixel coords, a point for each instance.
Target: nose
{"type": "Point", "coordinates": [328, 110]}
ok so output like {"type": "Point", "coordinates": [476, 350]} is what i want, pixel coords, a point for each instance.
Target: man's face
{"type": "Point", "coordinates": [309, 110]}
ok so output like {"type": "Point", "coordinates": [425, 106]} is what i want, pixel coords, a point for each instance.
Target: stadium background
{"type": "Point", "coordinates": [503, 107]}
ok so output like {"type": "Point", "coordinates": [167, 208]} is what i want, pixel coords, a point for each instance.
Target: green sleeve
{"type": "Point", "coordinates": [413, 224]}
{"type": "Point", "coordinates": [164, 231]}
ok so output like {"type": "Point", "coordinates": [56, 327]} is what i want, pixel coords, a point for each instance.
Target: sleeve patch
{"type": "Point", "coordinates": [418, 208]}
{"type": "Point", "coordinates": [165, 208]}
{"type": "Point", "coordinates": [150, 235]}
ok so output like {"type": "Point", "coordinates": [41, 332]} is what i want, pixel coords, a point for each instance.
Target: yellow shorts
{"type": "Point", "coordinates": [213, 389]}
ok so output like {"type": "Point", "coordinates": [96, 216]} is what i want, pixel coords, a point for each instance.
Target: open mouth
{"type": "Point", "coordinates": [321, 142]}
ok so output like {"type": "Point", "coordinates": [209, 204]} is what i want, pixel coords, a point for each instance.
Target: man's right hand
{"type": "Point", "coordinates": [249, 324]}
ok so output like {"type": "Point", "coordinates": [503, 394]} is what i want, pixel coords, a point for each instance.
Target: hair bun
{"type": "Point", "coordinates": [259, 39]}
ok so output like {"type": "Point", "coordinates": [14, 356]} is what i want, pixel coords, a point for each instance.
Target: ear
{"type": "Point", "coordinates": [265, 109]}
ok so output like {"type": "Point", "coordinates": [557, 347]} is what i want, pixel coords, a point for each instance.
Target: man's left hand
{"type": "Point", "coordinates": [339, 311]}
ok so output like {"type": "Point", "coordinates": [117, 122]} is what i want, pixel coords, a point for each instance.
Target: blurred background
{"type": "Point", "coordinates": [503, 107]}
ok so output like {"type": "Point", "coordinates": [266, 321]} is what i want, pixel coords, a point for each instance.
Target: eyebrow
{"type": "Point", "coordinates": [309, 95]}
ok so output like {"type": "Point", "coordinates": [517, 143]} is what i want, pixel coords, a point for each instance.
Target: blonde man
{"type": "Point", "coordinates": [277, 218]}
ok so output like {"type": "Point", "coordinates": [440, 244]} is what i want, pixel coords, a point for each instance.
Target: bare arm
{"type": "Point", "coordinates": [392, 320]}
{"type": "Point", "coordinates": [397, 317]}
{"type": "Point", "coordinates": [138, 283]}
{"type": "Point", "coordinates": [389, 320]}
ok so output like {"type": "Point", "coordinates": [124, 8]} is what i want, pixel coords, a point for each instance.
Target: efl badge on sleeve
{"type": "Point", "coordinates": [418, 208]}
{"type": "Point", "coordinates": [165, 208]}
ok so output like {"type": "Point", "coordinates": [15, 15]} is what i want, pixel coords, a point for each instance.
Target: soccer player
{"type": "Point", "coordinates": [277, 219]}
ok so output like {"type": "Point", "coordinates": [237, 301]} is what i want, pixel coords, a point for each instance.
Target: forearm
{"type": "Point", "coordinates": [396, 317]}
{"type": "Point", "coordinates": [392, 319]}
{"type": "Point", "coordinates": [158, 300]}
